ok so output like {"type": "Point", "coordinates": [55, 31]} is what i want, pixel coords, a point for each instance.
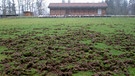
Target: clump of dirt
{"type": "Point", "coordinates": [126, 41]}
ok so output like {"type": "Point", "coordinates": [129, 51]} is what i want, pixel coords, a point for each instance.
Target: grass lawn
{"type": "Point", "coordinates": [67, 46]}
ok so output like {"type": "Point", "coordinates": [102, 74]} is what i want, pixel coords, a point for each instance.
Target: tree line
{"type": "Point", "coordinates": [13, 7]}
{"type": "Point", "coordinates": [121, 7]}
{"type": "Point", "coordinates": [38, 7]}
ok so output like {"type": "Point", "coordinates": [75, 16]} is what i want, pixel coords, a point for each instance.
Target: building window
{"type": "Point", "coordinates": [99, 11]}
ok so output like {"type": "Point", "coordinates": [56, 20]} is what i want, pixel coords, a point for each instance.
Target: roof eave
{"type": "Point", "coordinates": [77, 7]}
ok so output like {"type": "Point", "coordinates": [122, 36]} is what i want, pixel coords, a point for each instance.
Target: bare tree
{"type": "Point", "coordinates": [4, 7]}
{"type": "Point", "coordinates": [69, 1]}
{"type": "Point", "coordinates": [63, 1]}
{"type": "Point", "coordinates": [110, 9]}
{"type": "Point", "coordinates": [8, 7]}
{"type": "Point", "coordinates": [39, 4]}
{"type": "Point", "coordinates": [1, 7]}
{"type": "Point", "coordinates": [13, 8]}
{"type": "Point", "coordinates": [117, 7]}
{"type": "Point", "coordinates": [20, 6]}
{"type": "Point", "coordinates": [132, 7]}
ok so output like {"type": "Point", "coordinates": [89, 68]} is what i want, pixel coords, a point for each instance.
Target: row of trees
{"type": "Point", "coordinates": [132, 7]}
{"type": "Point", "coordinates": [38, 7]}
{"type": "Point", "coordinates": [121, 7]}
{"type": "Point", "coordinates": [8, 6]}
{"type": "Point", "coordinates": [11, 7]}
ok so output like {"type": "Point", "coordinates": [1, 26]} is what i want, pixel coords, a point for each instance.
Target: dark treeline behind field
{"type": "Point", "coordinates": [39, 7]}
{"type": "Point", "coordinates": [121, 7]}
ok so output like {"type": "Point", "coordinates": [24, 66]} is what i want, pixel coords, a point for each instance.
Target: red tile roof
{"type": "Point", "coordinates": [77, 5]}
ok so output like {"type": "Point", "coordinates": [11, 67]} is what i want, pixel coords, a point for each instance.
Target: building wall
{"type": "Point", "coordinates": [76, 12]}
{"type": "Point", "coordinates": [83, 12]}
{"type": "Point", "coordinates": [103, 11]}
{"type": "Point", "coordinates": [57, 12]}
{"type": "Point", "coordinates": [28, 14]}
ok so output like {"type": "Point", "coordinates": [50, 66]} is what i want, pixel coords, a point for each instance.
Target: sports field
{"type": "Point", "coordinates": [67, 46]}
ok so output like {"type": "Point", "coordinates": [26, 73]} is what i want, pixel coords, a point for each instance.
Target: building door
{"type": "Point", "coordinates": [67, 12]}
{"type": "Point", "coordinates": [99, 11]}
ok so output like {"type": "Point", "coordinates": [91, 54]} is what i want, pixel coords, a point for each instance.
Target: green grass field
{"type": "Point", "coordinates": [67, 46]}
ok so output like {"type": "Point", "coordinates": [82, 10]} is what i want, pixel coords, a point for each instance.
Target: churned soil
{"type": "Point", "coordinates": [64, 55]}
